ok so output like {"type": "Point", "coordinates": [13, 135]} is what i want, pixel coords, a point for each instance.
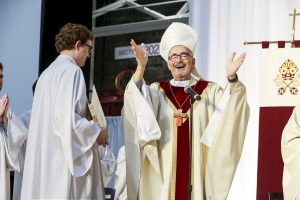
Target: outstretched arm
{"type": "Point", "coordinates": [233, 66]}
{"type": "Point", "coordinates": [141, 56]}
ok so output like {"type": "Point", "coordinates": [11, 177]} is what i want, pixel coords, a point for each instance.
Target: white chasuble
{"type": "Point", "coordinates": [152, 141]}
{"type": "Point", "coordinates": [62, 160]}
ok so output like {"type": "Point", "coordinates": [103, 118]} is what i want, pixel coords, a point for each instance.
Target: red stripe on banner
{"type": "Point", "coordinates": [270, 165]}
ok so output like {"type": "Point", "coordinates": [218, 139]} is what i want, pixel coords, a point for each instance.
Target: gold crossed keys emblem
{"type": "Point", "coordinates": [287, 79]}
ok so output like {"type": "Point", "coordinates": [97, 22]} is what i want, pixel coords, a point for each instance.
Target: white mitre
{"type": "Point", "coordinates": [178, 34]}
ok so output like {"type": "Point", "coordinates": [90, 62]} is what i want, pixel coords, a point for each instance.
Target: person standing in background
{"type": "Point", "coordinates": [12, 137]}
{"type": "Point", "coordinates": [62, 159]}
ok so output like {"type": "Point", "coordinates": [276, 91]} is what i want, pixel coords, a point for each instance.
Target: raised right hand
{"type": "Point", "coordinates": [141, 56]}
{"type": "Point", "coordinates": [103, 137]}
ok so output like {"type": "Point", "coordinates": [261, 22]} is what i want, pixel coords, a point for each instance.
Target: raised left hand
{"type": "Point", "coordinates": [234, 64]}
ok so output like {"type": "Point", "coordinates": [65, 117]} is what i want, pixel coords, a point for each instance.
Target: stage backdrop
{"type": "Point", "coordinates": [223, 26]}
{"type": "Point", "coordinates": [279, 80]}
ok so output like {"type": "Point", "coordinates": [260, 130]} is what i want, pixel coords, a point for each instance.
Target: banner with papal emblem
{"type": "Point", "coordinates": [280, 77]}
{"type": "Point", "coordinates": [279, 94]}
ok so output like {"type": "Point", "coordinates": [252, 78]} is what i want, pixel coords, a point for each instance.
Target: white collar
{"type": "Point", "coordinates": [185, 83]}
{"type": "Point", "coordinates": [67, 57]}
{"type": "Point", "coordinates": [179, 83]}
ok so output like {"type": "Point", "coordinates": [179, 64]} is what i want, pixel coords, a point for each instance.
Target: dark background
{"type": "Point", "coordinates": [56, 13]}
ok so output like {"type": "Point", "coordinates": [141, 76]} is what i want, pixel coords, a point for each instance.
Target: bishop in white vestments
{"type": "Point", "coordinates": [156, 126]}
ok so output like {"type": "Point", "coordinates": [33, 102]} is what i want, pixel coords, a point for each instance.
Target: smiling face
{"type": "Point", "coordinates": [181, 63]}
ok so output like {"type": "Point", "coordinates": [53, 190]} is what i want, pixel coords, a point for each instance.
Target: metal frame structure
{"type": "Point", "coordinates": [160, 21]}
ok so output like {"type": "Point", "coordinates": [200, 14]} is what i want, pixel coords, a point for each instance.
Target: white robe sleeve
{"type": "Point", "coordinates": [144, 113]}
{"type": "Point", "coordinates": [148, 130]}
{"type": "Point", "coordinates": [16, 135]}
{"type": "Point", "coordinates": [76, 133]}
{"type": "Point", "coordinates": [226, 147]}
{"type": "Point", "coordinates": [108, 163]}
{"type": "Point", "coordinates": [4, 172]}
{"type": "Point", "coordinates": [141, 131]}
{"type": "Point", "coordinates": [211, 129]}
{"type": "Point", "coordinates": [120, 181]}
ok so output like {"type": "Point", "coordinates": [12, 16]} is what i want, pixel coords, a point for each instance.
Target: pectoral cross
{"type": "Point", "coordinates": [180, 116]}
{"type": "Point", "coordinates": [295, 14]}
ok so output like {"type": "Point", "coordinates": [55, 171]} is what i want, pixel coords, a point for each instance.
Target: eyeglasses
{"type": "Point", "coordinates": [182, 56]}
{"type": "Point", "coordinates": [89, 46]}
